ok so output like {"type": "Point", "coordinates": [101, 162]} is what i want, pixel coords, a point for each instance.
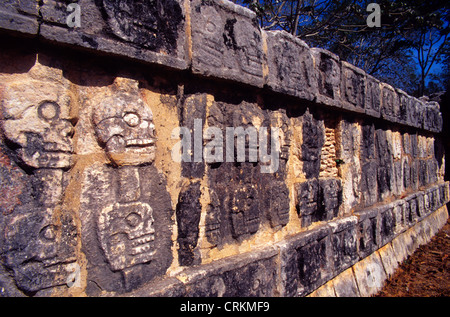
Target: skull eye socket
{"type": "Point", "coordinates": [48, 233]}
{"type": "Point", "coordinates": [133, 219]}
{"type": "Point", "coordinates": [48, 110]}
{"type": "Point", "coordinates": [132, 119]}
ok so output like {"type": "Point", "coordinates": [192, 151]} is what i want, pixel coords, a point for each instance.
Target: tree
{"type": "Point", "coordinates": [389, 52]}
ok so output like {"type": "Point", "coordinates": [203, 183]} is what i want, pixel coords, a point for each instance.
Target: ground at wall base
{"type": "Point", "coordinates": [426, 273]}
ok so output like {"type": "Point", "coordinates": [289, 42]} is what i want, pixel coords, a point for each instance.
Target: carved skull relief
{"type": "Point", "coordinates": [124, 126]}
{"type": "Point", "coordinates": [245, 213]}
{"type": "Point", "coordinates": [37, 122]}
{"type": "Point", "coordinates": [41, 249]}
{"type": "Point", "coordinates": [126, 234]}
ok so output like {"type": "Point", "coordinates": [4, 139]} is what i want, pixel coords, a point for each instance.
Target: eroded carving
{"type": "Point", "coordinates": [151, 24]}
{"type": "Point", "coordinates": [124, 126]}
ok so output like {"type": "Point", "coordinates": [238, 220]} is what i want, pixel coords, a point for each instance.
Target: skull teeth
{"type": "Point", "coordinates": [138, 142]}
{"type": "Point", "coordinates": [144, 240]}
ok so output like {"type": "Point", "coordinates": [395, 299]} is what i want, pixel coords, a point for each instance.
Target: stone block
{"type": "Point", "coordinates": [329, 69]}
{"type": "Point", "coordinates": [313, 133]}
{"type": "Point", "coordinates": [390, 106]}
{"type": "Point", "coordinates": [226, 42]}
{"type": "Point", "coordinates": [329, 198]}
{"type": "Point", "coordinates": [251, 274]}
{"type": "Point", "coordinates": [369, 184]}
{"type": "Point", "coordinates": [370, 275]}
{"type": "Point", "coordinates": [386, 224]}
{"type": "Point", "coordinates": [353, 84]}
{"type": "Point", "coordinates": [367, 233]}
{"type": "Point", "coordinates": [304, 261]}
{"type": "Point", "coordinates": [137, 30]}
{"type": "Point", "coordinates": [344, 243]}
{"type": "Point", "coordinates": [291, 66]}
{"type": "Point", "coordinates": [345, 284]}
{"type": "Point", "coordinates": [368, 142]}
{"type": "Point", "coordinates": [307, 196]}
{"type": "Point", "coordinates": [20, 16]}
{"type": "Point", "coordinates": [389, 259]}
{"type": "Point", "coordinates": [373, 97]}
{"type": "Point", "coordinates": [188, 212]}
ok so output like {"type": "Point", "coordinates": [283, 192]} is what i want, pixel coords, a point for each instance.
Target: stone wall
{"type": "Point", "coordinates": [95, 202]}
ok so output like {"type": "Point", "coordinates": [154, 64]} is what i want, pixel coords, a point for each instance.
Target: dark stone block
{"type": "Point", "coordinates": [368, 142]}
{"type": "Point", "coordinates": [188, 212]}
{"type": "Point", "coordinates": [153, 31]}
{"type": "Point", "coordinates": [329, 81]}
{"type": "Point", "coordinates": [367, 233]}
{"type": "Point", "coordinates": [313, 140]}
{"type": "Point", "coordinates": [238, 276]}
{"type": "Point", "coordinates": [353, 84]}
{"type": "Point", "coordinates": [386, 224]}
{"type": "Point", "coordinates": [369, 184]}
{"type": "Point", "coordinates": [276, 202]}
{"type": "Point", "coordinates": [344, 243]}
{"type": "Point", "coordinates": [291, 66]}
{"type": "Point", "coordinates": [307, 197]}
{"type": "Point", "coordinates": [373, 96]}
{"type": "Point", "coordinates": [20, 16]}
{"type": "Point", "coordinates": [390, 109]}
{"type": "Point", "coordinates": [226, 42]}
{"type": "Point", "coordinates": [329, 198]}
{"type": "Point", "coordinates": [423, 173]}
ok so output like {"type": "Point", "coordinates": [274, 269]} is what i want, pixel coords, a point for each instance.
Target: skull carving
{"type": "Point", "coordinates": [124, 126]}
{"type": "Point", "coordinates": [41, 249]}
{"type": "Point", "coordinates": [126, 234]}
{"type": "Point", "coordinates": [249, 43]}
{"type": "Point", "coordinates": [37, 122]}
{"type": "Point", "coordinates": [245, 214]}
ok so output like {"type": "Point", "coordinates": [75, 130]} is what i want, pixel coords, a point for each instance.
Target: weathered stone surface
{"type": "Point", "coordinates": [134, 234]}
{"type": "Point", "coordinates": [390, 108]}
{"type": "Point", "coordinates": [313, 140]}
{"type": "Point", "coordinates": [367, 234]}
{"type": "Point", "coordinates": [124, 126]}
{"type": "Point", "coordinates": [344, 243]}
{"type": "Point", "coordinates": [353, 85]}
{"type": "Point", "coordinates": [291, 66]}
{"type": "Point", "coordinates": [188, 211]}
{"type": "Point", "coordinates": [304, 261]}
{"type": "Point", "coordinates": [246, 275]}
{"type": "Point", "coordinates": [373, 96]}
{"type": "Point", "coordinates": [370, 275]}
{"type": "Point", "coordinates": [328, 66]}
{"type": "Point", "coordinates": [140, 30]}
{"type": "Point", "coordinates": [21, 16]}
{"type": "Point", "coordinates": [226, 42]}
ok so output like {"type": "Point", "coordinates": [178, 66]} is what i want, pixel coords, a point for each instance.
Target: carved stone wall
{"type": "Point", "coordinates": [96, 201]}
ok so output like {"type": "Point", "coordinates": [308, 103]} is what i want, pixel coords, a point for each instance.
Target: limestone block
{"type": "Point", "coordinates": [390, 107]}
{"type": "Point", "coordinates": [370, 275]}
{"type": "Point", "coordinates": [291, 66]}
{"type": "Point", "coordinates": [304, 264]}
{"type": "Point", "coordinates": [344, 243]}
{"type": "Point", "coordinates": [353, 84]}
{"type": "Point", "coordinates": [373, 96]}
{"type": "Point", "coordinates": [388, 258]}
{"type": "Point", "coordinates": [313, 132]}
{"type": "Point", "coordinates": [20, 16]}
{"type": "Point", "coordinates": [345, 284]}
{"type": "Point", "coordinates": [188, 211]}
{"type": "Point", "coordinates": [226, 42]}
{"type": "Point", "coordinates": [367, 234]}
{"type": "Point", "coordinates": [329, 69]}
{"type": "Point", "coordinates": [153, 31]}
{"type": "Point", "coordinates": [386, 224]}
{"type": "Point", "coordinates": [248, 274]}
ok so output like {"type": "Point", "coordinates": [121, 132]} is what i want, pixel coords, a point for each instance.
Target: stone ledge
{"type": "Point", "coordinates": [225, 42]}
{"type": "Point", "coordinates": [368, 276]}
{"type": "Point", "coordinates": [336, 265]}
